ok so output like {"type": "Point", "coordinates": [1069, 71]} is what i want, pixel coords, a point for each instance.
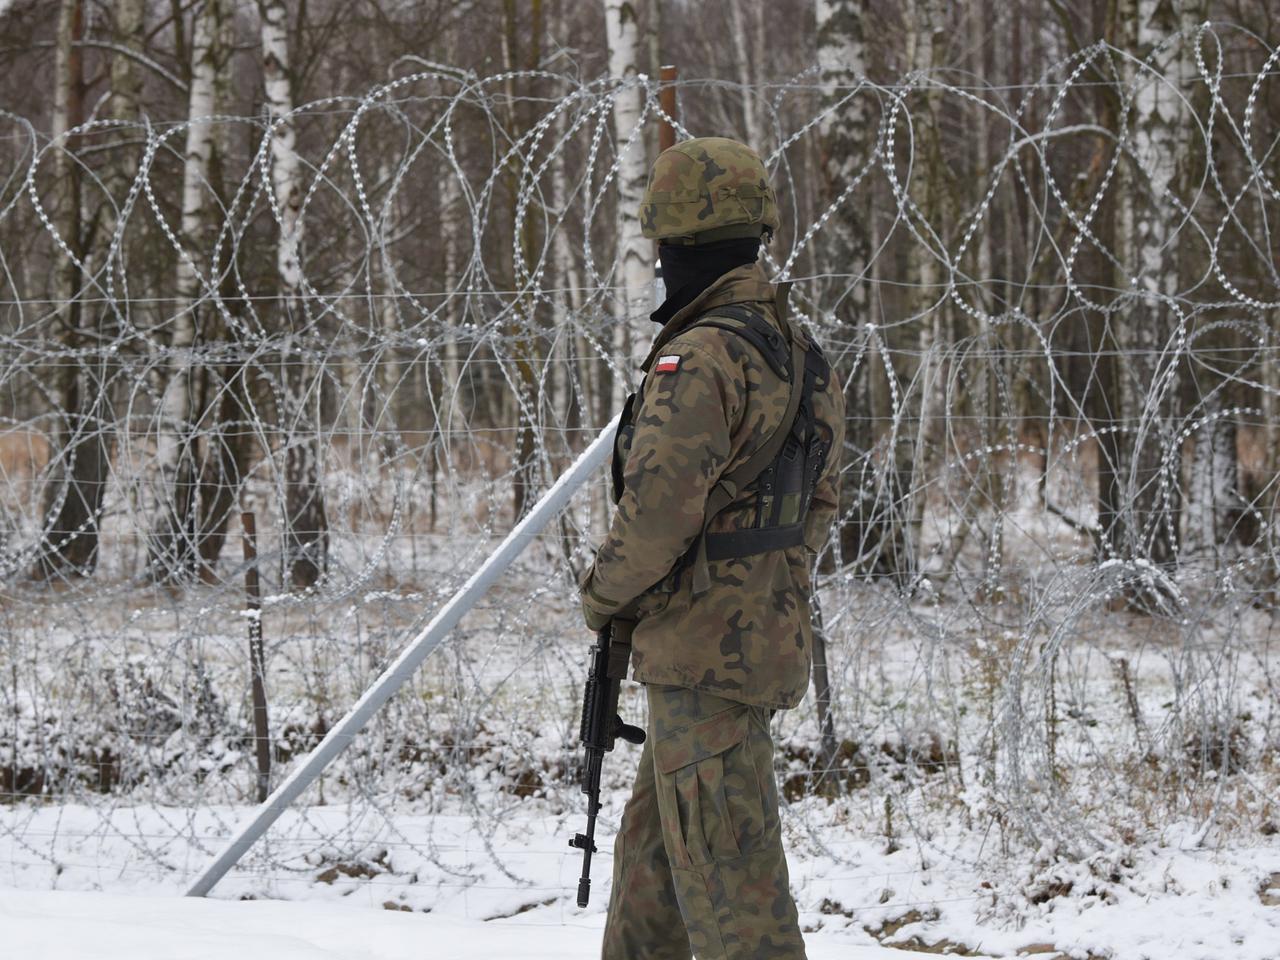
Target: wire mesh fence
{"type": "Point", "coordinates": [1048, 603]}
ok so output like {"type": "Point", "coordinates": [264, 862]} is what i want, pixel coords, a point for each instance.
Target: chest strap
{"type": "Point", "coordinates": [746, 543]}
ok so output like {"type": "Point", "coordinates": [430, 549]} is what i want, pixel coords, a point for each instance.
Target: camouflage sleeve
{"type": "Point", "coordinates": [681, 445]}
{"type": "Point", "coordinates": [826, 493]}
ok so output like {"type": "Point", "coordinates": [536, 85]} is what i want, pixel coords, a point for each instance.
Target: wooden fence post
{"type": "Point", "coordinates": [257, 661]}
{"type": "Point", "coordinates": [828, 780]}
{"type": "Point", "coordinates": [667, 99]}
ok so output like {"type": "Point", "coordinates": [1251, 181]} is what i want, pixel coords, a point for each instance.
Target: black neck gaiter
{"type": "Point", "coordinates": [688, 270]}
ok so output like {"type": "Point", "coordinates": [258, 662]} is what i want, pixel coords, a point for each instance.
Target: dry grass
{"type": "Point", "coordinates": [23, 454]}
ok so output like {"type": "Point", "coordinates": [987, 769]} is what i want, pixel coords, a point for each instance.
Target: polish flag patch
{"type": "Point", "coordinates": [668, 364]}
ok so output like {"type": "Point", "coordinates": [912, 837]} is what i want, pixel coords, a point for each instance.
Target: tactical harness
{"type": "Point", "coordinates": [782, 472]}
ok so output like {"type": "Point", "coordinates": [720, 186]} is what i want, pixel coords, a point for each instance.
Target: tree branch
{"type": "Point", "coordinates": [118, 48]}
{"type": "Point", "coordinates": [1092, 533]}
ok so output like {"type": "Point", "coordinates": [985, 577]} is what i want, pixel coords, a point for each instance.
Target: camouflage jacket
{"type": "Point", "coordinates": [748, 638]}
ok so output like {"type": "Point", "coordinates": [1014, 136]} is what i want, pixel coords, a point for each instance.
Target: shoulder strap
{"type": "Point", "coordinates": [731, 483]}
{"type": "Point", "coordinates": [755, 329]}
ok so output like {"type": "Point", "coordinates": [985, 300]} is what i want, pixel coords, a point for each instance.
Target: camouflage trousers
{"type": "Point", "coordinates": [699, 869]}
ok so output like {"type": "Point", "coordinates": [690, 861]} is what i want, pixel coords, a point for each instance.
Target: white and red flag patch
{"type": "Point", "coordinates": [668, 364]}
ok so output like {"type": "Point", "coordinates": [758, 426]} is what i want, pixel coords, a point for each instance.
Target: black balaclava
{"type": "Point", "coordinates": [688, 270]}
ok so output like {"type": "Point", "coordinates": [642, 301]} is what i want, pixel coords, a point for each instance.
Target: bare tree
{"type": "Point", "coordinates": [74, 503]}
{"type": "Point", "coordinates": [1148, 522]}
{"type": "Point", "coordinates": [871, 531]}
{"type": "Point", "coordinates": [64, 543]}
{"type": "Point", "coordinates": [173, 552]}
{"type": "Point", "coordinates": [633, 267]}
{"type": "Point", "coordinates": [525, 336]}
{"type": "Point", "coordinates": [1215, 523]}
{"type": "Point", "coordinates": [926, 34]}
{"type": "Point", "coordinates": [306, 526]}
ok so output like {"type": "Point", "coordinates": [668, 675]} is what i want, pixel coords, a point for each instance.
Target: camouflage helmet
{"type": "Point", "coordinates": [707, 189]}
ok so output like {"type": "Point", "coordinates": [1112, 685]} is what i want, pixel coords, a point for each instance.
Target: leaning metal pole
{"type": "Point", "coordinates": [395, 676]}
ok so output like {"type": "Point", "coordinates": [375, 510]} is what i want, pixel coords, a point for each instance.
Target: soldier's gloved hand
{"type": "Point", "coordinates": [597, 611]}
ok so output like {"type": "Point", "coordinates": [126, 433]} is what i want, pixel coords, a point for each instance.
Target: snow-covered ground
{"type": "Point", "coordinates": [507, 890]}
{"type": "Point", "coordinates": [98, 926]}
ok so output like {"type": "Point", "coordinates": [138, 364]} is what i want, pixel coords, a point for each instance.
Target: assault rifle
{"type": "Point", "coordinates": [601, 726]}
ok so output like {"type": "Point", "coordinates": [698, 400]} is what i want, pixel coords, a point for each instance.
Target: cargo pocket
{"type": "Point", "coordinates": [693, 767]}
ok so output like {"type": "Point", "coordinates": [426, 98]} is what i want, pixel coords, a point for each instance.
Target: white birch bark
{"type": "Point", "coordinates": [928, 21]}
{"type": "Point", "coordinates": [172, 546]}
{"type": "Point", "coordinates": [633, 268]}
{"type": "Point", "coordinates": [305, 522]}
{"type": "Point", "coordinates": [286, 175]}
{"type": "Point", "coordinates": [870, 525]}
{"type": "Point", "coordinates": [844, 133]}
{"type": "Point", "coordinates": [1146, 221]}
{"type": "Point", "coordinates": [1156, 143]}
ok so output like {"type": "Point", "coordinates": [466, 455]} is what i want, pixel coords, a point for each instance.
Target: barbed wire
{"type": "Point", "coordinates": [1048, 602]}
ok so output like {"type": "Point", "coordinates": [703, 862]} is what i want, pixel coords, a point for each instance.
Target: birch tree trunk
{"type": "Point", "coordinates": [633, 266]}
{"type": "Point", "coordinates": [844, 247]}
{"type": "Point", "coordinates": [1148, 527]}
{"type": "Point", "coordinates": [306, 526]}
{"type": "Point", "coordinates": [173, 550]}
{"type": "Point", "coordinates": [226, 450]}
{"type": "Point", "coordinates": [872, 530]}
{"type": "Point", "coordinates": [924, 41]}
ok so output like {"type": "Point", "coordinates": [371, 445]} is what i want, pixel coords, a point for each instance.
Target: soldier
{"type": "Point", "coordinates": [725, 484]}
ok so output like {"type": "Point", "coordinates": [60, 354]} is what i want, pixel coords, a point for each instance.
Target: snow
{"type": "Point", "coordinates": [57, 925]}
{"type": "Point", "coordinates": [509, 892]}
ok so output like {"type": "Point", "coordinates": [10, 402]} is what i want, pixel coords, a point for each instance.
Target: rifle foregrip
{"type": "Point", "coordinates": [629, 733]}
